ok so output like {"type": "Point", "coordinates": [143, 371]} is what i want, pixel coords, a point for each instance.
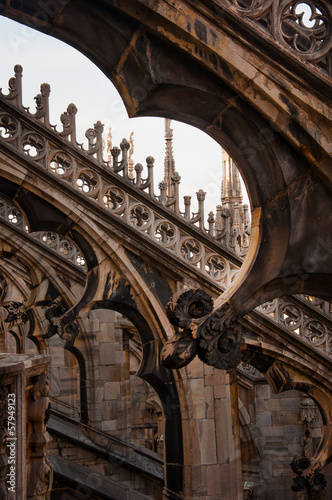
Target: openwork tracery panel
{"type": "Point", "coordinates": [305, 316]}
{"type": "Point", "coordinates": [301, 26]}
{"type": "Point", "coordinates": [124, 195]}
{"type": "Point", "coordinates": [53, 241]}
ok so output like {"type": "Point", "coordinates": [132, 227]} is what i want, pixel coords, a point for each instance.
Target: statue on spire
{"type": "Point", "coordinates": [169, 162]}
{"type": "Point", "coordinates": [131, 173]}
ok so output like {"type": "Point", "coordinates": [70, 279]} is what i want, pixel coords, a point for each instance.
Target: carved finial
{"type": "Point", "coordinates": [115, 152]}
{"type": "Point", "coordinates": [187, 204]}
{"type": "Point", "coordinates": [42, 104]}
{"type": "Point", "coordinates": [176, 178]}
{"type": "Point", "coordinates": [199, 217]}
{"type": "Point", "coordinates": [124, 145]}
{"type": "Point", "coordinates": [69, 124]}
{"type": "Point", "coordinates": [211, 221]}
{"type": "Point", "coordinates": [15, 87]}
{"type": "Point", "coordinates": [163, 189]}
{"type": "Point", "coordinates": [201, 195]}
{"type": "Point", "coordinates": [138, 170]}
{"type": "Point", "coordinates": [95, 140]}
{"type": "Point", "coordinates": [150, 161]}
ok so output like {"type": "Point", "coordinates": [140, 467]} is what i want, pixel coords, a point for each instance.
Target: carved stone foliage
{"type": "Point", "coordinates": [309, 479]}
{"type": "Point", "coordinates": [61, 322]}
{"type": "Point", "coordinates": [313, 484]}
{"type": "Point", "coordinates": [16, 312]}
{"type": "Point", "coordinates": [216, 337]}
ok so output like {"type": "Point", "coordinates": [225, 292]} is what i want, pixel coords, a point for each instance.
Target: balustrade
{"type": "Point", "coordinates": [53, 241]}
{"type": "Point", "coordinates": [305, 316]}
{"type": "Point", "coordinates": [110, 184]}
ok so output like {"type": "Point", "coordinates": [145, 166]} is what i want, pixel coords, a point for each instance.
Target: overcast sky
{"type": "Point", "coordinates": [74, 78]}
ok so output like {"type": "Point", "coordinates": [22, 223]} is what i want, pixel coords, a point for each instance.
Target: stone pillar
{"type": "Point", "coordinates": [124, 410]}
{"type": "Point", "coordinates": [22, 384]}
{"type": "Point", "coordinates": [212, 452]}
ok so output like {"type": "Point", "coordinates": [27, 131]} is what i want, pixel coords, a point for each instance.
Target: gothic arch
{"type": "Point", "coordinates": [162, 67]}
{"type": "Point", "coordinates": [163, 382]}
{"type": "Point", "coordinates": [117, 280]}
{"type": "Point", "coordinates": [269, 118]}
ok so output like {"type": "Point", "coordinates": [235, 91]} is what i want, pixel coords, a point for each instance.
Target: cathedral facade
{"type": "Point", "coordinates": [149, 350]}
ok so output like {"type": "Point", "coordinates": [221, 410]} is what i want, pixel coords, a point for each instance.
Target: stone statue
{"type": "Point", "coordinates": [307, 444]}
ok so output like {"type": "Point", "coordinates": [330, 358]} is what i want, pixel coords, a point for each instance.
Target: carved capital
{"type": "Point", "coordinates": [215, 336]}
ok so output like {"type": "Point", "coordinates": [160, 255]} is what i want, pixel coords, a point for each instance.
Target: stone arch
{"type": "Point", "coordinates": [163, 382]}
{"type": "Point", "coordinates": [160, 68]}
{"type": "Point", "coordinates": [41, 215]}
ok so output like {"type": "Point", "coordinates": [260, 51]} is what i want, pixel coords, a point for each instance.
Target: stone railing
{"type": "Point", "coordinates": [305, 316]}
{"type": "Point", "coordinates": [304, 28]}
{"type": "Point", "coordinates": [51, 240]}
{"type": "Point", "coordinates": [108, 183]}
{"type": "Point", "coordinates": [25, 472]}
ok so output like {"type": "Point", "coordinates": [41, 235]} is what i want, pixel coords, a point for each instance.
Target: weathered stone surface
{"type": "Point", "coordinates": [269, 104]}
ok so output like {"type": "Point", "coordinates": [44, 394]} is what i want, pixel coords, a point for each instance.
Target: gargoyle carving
{"type": "Point", "coordinates": [215, 336]}
{"type": "Point", "coordinates": [61, 322]}
{"type": "Point", "coordinates": [16, 312]}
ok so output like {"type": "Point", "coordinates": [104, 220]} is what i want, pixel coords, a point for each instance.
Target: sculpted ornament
{"type": "Point", "coordinates": [314, 484]}
{"type": "Point", "coordinates": [16, 312]}
{"type": "Point", "coordinates": [39, 469]}
{"type": "Point", "coordinates": [61, 322]}
{"type": "Point", "coordinates": [214, 336]}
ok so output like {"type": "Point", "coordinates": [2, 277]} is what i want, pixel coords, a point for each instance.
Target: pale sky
{"type": "Point", "coordinates": [74, 78]}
